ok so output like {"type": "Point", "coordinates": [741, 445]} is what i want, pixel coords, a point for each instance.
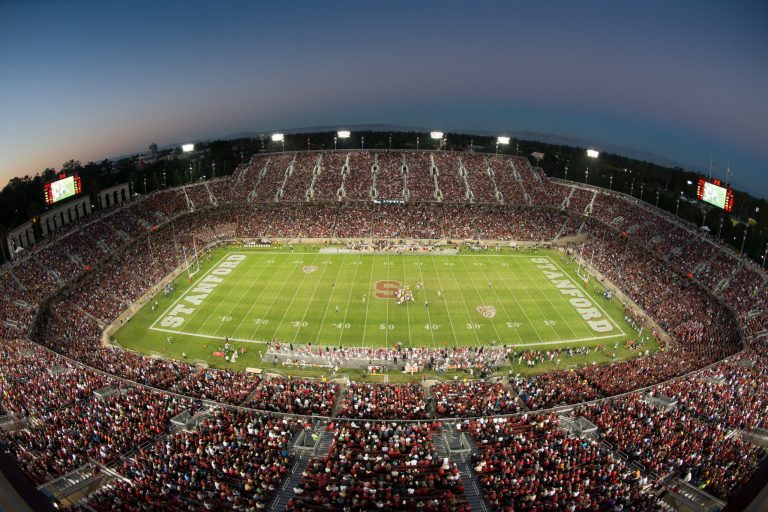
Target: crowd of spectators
{"type": "Point", "coordinates": [381, 466]}
{"type": "Point", "coordinates": [473, 399]}
{"type": "Point", "coordinates": [384, 401]}
{"type": "Point", "coordinates": [675, 441]}
{"type": "Point", "coordinates": [526, 463]}
{"type": "Point", "coordinates": [234, 460]}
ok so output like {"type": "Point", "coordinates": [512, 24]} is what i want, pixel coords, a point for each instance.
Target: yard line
{"type": "Point", "coordinates": [586, 293]}
{"type": "Point", "coordinates": [293, 297]}
{"type": "Point", "coordinates": [490, 320]}
{"type": "Point", "coordinates": [429, 315]}
{"type": "Point", "coordinates": [312, 299]}
{"type": "Point", "coordinates": [285, 283]}
{"type": "Point", "coordinates": [407, 312]}
{"type": "Point", "coordinates": [513, 294]}
{"type": "Point", "coordinates": [187, 290]}
{"type": "Point", "coordinates": [387, 301]}
{"type": "Point", "coordinates": [221, 302]}
{"type": "Point", "coordinates": [447, 308]}
{"type": "Point", "coordinates": [328, 303]}
{"type": "Point", "coordinates": [255, 302]}
{"type": "Point", "coordinates": [346, 310]}
{"type": "Point", "coordinates": [368, 299]}
{"type": "Point", "coordinates": [506, 312]}
{"type": "Point", "coordinates": [557, 308]}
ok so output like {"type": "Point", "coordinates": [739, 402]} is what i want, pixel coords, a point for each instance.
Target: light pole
{"type": "Point", "coordinates": [308, 144]}
{"type": "Point", "coordinates": [610, 183]}
{"type": "Point", "coordinates": [164, 184]}
{"type": "Point", "coordinates": [720, 229]}
{"type": "Point", "coordinates": [642, 187]}
{"type": "Point", "coordinates": [145, 184]}
{"type": "Point", "coordinates": [765, 256]}
{"type": "Point", "coordinates": [241, 158]}
{"type": "Point", "coordinates": [189, 180]}
{"type": "Point", "coordinates": [213, 165]}
{"type": "Point", "coordinates": [632, 188]}
{"type": "Point", "coordinates": [362, 142]}
{"type": "Point", "coordinates": [503, 141]}
{"type": "Point", "coordinates": [517, 149]}
{"type": "Point", "coordinates": [566, 173]}
{"type": "Point", "coordinates": [417, 143]}
{"type": "Point", "coordinates": [743, 240]}
{"type": "Point", "coordinates": [343, 135]}
{"type": "Point", "coordinates": [279, 137]}
{"type": "Point", "coordinates": [591, 153]}
{"type": "Point", "coordinates": [471, 145]}
{"type": "Point", "coordinates": [677, 206]}
{"type": "Point", "coordinates": [657, 198]}
{"type": "Point", "coordinates": [390, 142]}
{"type": "Point", "coordinates": [437, 137]}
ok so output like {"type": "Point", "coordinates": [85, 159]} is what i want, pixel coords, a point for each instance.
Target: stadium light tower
{"type": "Point", "coordinates": [591, 153]}
{"type": "Point", "coordinates": [279, 137]}
{"type": "Point", "coordinates": [187, 148]}
{"type": "Point", "coordinates": [501, 141]}
{"type": "Point", "coordinates": [437, 136]}
{"type": "Point", "coordinates": [343, 135]}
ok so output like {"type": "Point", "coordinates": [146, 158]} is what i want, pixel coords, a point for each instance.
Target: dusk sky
{"type": "Point", "coordinates": [93, 79]}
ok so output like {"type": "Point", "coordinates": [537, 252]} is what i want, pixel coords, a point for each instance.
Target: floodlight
{"type": "Point", "coordinates": [278, 137]}
{"type": "Point", "coordinates": [436, 135]}
{"type": "Point", "coordinates": [343, 134]}
{"type": "Point", "coordinates": [187, 148]}
{"type": "Point", "coordinates": [593, 153]}
{"type": "Point", "coordinates": [502, 140]}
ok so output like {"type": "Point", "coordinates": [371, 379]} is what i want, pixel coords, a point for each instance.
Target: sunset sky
{"type": "Point", "coordinates": [93, 79]}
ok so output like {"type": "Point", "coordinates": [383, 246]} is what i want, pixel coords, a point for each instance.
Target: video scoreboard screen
{"type": "Point", "coordinates": [64, 187]}
{"type": "Point", "coordinates": [710, 191]}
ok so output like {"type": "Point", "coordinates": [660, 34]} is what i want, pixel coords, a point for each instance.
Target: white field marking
{"type": "Point", "coordinates": [296, 288]}
{"type": "Point", "coordinates": [188, 289]}
{"type": "Point", "coordinates": [501, 303]}
{"type": "Point", "coordinates": [586, 293]}
{"type": "Point", "coordinates": [328, 302]}
{"type": "Point", "coordinates": [540, 293]}
{"type": "Point", "coordinates": [386, 331]}
{"type": "Point", "coordinates": [299, 265]}
{"type": "Point", "coordinates": [215, 309]}
{"type": "Point", "coordinates": [440, 284]}
{"type": "Point", "coordinates": [424, 287]}
{"type": "Point", "coordinates": [312, 299]}
{"type": "Point", "coordinates": [407, 311]}
{"type": "Point", "coordinates": [207, 336]}
{"type": "Point", "coordinates": [255, 301]}
{"type": "Point", "coordinates": [368, 297]}
{"type": "Point", "coordinates": [261, 342]}
{"type": "Point", "coordinates": [479, 297]}
{"type": "Point", "coordinates": [578, 340]}
{"type": "Point", "coordinates": [349, 298]}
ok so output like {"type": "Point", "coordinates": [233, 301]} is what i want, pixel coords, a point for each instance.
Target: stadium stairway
{"type": "Point", "coordinates": [472, 490]}
{"type": "Point", "coordinates": [285, 493]}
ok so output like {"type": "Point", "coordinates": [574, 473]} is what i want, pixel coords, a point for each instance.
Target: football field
{"type": "Point", "coordinates": [527, 299]}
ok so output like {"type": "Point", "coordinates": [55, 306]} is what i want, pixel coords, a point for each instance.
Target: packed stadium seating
{"type": "Point", "coordinates": [712, 304]}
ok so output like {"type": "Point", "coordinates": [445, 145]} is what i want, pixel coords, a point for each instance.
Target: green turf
{"type": "Point", "coordinates": [293, 295]}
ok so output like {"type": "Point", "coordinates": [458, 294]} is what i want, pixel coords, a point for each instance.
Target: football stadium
{"type": "Point", "coordinates": [460, 305]}
{"type": "Point", "coordinates": [524, 289]}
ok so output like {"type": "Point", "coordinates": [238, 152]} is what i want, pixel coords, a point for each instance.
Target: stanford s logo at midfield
{"type": "Point", "coordinates": [387, 289]}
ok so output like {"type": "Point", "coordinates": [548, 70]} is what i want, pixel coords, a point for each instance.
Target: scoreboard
{"type": "Point", "coordinates": [64, 187]}
{"type": "Point", "coordinates": [711, 191]}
